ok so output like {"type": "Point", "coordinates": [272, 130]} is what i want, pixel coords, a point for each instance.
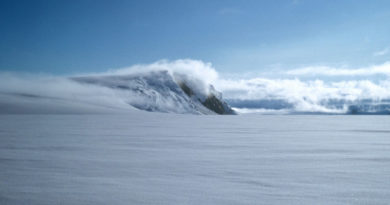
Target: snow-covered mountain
{"type": "Point", "coordinates": [163, 91]}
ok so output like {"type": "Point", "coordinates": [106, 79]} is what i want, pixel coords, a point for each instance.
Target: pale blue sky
{"type": "Point", "coordinates": [67, 37]}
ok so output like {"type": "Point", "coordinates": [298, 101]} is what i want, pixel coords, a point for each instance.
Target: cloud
{"type": "Point", "coordinates": [383, 69]}
{"type": "Point", "coordinates": [261, 88]}
{"type": "Point", "coordinates": [381, 52]}
{"type": "Point", "coordinates": [196, 68]}
{"type": "Point", "coordinates": [303, 96]}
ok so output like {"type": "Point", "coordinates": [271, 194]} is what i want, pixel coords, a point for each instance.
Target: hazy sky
{"type": "Point", "coordinates": [65, 37]}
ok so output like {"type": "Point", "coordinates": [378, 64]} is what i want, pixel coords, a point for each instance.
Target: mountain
{"type": "Point", "coordinates": [162, 91]}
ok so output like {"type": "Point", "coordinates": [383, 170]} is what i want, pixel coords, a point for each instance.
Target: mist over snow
{"type": "Point", "coordinates": [156, 87]}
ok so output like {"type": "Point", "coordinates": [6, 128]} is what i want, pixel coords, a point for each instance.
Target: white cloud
{"type": "Point", "coordinates": [197, 72]}
{"type": "Point", "coordinates": [260, 88]}
{"type": "Point", "coordinates": [305, 96]}
{"type": "Point", "coordinates": [195, 68]}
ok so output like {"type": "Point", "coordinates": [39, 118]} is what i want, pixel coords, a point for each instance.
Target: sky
{"type": "Point", "coordinates": [69, 37]}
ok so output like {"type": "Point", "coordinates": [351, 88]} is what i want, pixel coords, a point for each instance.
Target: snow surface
{"type": "Point", "coordinates": [155, 158]}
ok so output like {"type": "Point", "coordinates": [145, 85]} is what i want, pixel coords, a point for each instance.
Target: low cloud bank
{"type": "Point", "coordinates": [31, 93]}
{"type": "Point", "coordinates": [298, 96]}
{"type": "Point", "coordinates": [301, 94]}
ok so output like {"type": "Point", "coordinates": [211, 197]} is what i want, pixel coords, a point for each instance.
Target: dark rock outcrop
{"type": "Point", "coordinates": [211, 102]}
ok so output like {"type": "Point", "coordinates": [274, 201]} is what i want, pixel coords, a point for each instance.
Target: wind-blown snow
{"type": "Point", "coordinates": [198, 74]}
